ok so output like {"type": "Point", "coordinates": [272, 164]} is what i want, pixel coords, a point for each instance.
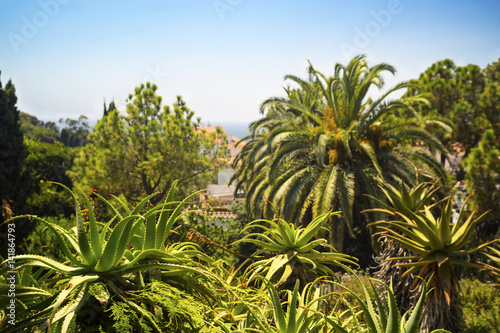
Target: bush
{"type": "Point", "coordinates": [481, 306]}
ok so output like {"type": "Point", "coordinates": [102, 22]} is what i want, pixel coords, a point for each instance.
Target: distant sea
{"type": "Point", "coordinates": [237, 129]}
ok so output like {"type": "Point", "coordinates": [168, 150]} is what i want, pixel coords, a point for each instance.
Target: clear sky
{"type": "Point", "coordinates": [223, 56]}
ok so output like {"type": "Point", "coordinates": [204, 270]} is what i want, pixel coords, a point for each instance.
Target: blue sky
{"type": "Point", "coordinates": [223, 56]}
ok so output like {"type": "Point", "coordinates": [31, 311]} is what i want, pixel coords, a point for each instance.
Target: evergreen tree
{"type": "Point", "coordinates": [492, 72]}
{"type": "Point", "coordinates": [12, 156]}
{"type": "Point", "coordinates": [146, 150]}
{"type": "Point", "coordinates": [108, 109]}
{"type": "Point", "coordinates": [12, 151]}
{"type": "Point", "coordinates": [482, 179]}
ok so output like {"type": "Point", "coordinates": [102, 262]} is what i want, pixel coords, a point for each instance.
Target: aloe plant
{"type": "Point", "coordinates": [437, 245]}
{"type": "Point", "coordinates": [293, 251]}
{"type": "Point", "coordinates": [30, 292]}
{"type": "Point", "coordinates": [402, 200]}
{"type": "Point", "coordinates": [494, 257]}
{"type": "Point", "coordinates": [301, 315]}
{"type": "Point", "coordinates": [231, 312]}
{"type": "Point", "coordinates": [300, 311]}
{"type": "Point", "coordinates": [122, 254]}
{"type": "Point", "coordinates": [380, 312]}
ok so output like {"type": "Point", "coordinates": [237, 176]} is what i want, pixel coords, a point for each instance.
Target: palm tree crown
{"type": "Point", "coordinates": [325, 145]}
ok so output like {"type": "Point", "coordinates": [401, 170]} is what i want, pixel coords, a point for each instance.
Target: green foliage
{"type": "Point", "coordinates": [468, 97]}
{"type": "Point", "coordinates": [492, 72]}
{"type": "Point", "coordinates": [74, 133]}
{"type": "Point", "coordinates": [293, 252]}
{"type": "Point", "coordinates": [121, 253]}
{"type": "Point", "coordinates": [213, 235]}
{"type": "Point", "coordinates": [482, 177]}
{"type": "Point", "coordinates": [324, 146]}
{"type": "Point", "coordinates": [14, 185]}
{"type": "Point", "coordinates": [35, 129]}
{"type": "Point", "coordinates": [109, 108]}
{"type": "Point", "coordinates": [176, 310]}
{"type": "Point", "coordinates": [480, 306]}
{"type": "Point", "coordinates": [173, 311]}
{"type": "Point", "coordinates": [124, 319]}
{"type": "Point", "coordinates": [438, 244]}
{"type": "Point", "coordinates": [48, 162]}
{"type": "Point", "coordinates": [12, 150]}
{"type": "Point", "coordinates": [489, 105]}
{"type": "Point", "coordinates": [144, 151]}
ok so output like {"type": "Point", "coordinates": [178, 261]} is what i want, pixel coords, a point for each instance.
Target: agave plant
{"type": "Point", "coordinates": [293, 251]}
{"type": "Point", "coordinates": [437, 246]}
{"type": "Point", "coordinates": [122, 254]}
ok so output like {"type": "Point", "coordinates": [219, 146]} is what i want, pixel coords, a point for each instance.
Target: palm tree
{"type": "Point", "coordinates": [324, 146]}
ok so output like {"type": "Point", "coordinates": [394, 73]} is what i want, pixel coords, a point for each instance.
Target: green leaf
{"type": "Point", "coordinates": [414, 322]}
{"type": "Point", "coordinates": [95, 239]}
{"type": "Point", "coordinates": [116, 244]}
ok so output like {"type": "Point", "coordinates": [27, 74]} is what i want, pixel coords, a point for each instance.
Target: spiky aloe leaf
{"type": "Point", "coordinates": [312, 228]}
{"type": "Point", "coordinates": [115, 247]}
{"type": "Point", "coordinates": [95, 239]}
{"type": "Point", "coordinates": [36, 260]}
{"type": "Point", "coordinates": [394, 318]}
{"type": "Point", "coordinates": [149, 237]}
{"type": "Point", "coordinates": [165, 225]}
{"type": "Point", "coordinates": [292, 309]}
{"type": "Point", "coordinates": [59, 233]}
{"type": "Point", "coordinates": [366, 306]}
{"type": "Point", "coordinates": [413, 323]}
{"type": "Point", "coordinates": [86, 252]}
{"type": "Point", "coordinates": [311, 245]}
{"type": "Point", "coordinates": [23, 294]}
{"type": "Point", "coordinates": [279, 315]}
{"type": "Point", "coordinates": [73, 283]}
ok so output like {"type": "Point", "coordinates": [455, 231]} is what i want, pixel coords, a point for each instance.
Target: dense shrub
{"type": "Point", "coordinates": [481, 306]}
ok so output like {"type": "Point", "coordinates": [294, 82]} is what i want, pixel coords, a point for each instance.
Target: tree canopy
{"type": "Point", "coordinates": [324, 147]}
{"type": "Point", "coordinates": [147, 149]}
{"type": "Point", "coordinates": [39, 130]}
{"type": "Point", "coordinates": [467, 96]}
